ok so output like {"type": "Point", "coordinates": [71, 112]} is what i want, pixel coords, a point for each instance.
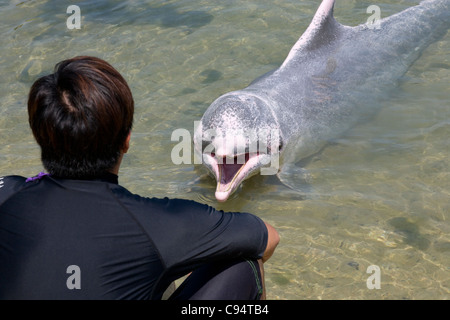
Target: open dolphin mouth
{"type": "Point", "coordinates": [230, 172]}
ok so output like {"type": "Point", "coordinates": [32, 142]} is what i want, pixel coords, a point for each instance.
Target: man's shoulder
{"type": "Point", "coordinates": [165, 204]}
{"type": "Point", "coordinates": [9, 185]}
{"type": "Point", "coordinates": [12, 178]}
{"type": "Point", "coordinates": [11, 182]}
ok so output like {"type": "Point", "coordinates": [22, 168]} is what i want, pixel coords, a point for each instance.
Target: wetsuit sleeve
{"type": "Point", "coordinates": [187, 233]}
{"type": "Point", "coordinates": [9, 185]}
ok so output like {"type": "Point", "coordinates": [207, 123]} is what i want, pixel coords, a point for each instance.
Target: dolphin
{"type": "Point", "coordinates": [333, 78]}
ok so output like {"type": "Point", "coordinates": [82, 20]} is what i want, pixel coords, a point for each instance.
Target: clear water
{"type": "Point", "coordinates": [376, 196]}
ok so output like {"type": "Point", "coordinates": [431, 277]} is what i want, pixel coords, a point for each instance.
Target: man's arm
{"type": "Point", "coordinates": [272, 241]}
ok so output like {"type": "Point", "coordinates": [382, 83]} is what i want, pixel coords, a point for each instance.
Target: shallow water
{"type": "Point", "coordinates": [376, 196]}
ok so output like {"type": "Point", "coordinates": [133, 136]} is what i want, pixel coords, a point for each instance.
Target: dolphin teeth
{"type": "Point", "coordinates": [229, 170]}
{"type": "Point", "coordinates": [230, 175]}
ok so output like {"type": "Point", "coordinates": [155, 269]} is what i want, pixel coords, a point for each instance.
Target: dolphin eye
{"type": "Point", "coordinates": [280, 146]}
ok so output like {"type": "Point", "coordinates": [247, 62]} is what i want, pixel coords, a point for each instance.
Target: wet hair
{"type": "Point", "coordinates": [81, 116]}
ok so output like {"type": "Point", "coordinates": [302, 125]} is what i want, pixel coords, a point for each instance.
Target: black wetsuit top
{"type": "Point", "coordinates": [93, 239]}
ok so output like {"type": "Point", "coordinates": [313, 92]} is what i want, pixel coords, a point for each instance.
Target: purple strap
{"type": "Point", "coordinates": [39, 176]}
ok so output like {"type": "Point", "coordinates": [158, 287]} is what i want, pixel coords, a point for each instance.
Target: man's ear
{"type": "Point", "coordinates": [126, 144]}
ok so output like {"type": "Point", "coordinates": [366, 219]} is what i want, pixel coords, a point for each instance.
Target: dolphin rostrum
{"type": "Point", "coordinates": [333, 77]}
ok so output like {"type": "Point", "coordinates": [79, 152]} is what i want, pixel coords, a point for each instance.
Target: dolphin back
{"type": "Point", "coordinates": [336, 76]}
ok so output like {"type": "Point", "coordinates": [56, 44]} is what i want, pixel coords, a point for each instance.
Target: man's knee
{"type": "Point", "coordinates": [233, 280]}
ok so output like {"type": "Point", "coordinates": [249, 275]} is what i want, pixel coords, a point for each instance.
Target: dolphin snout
{"type": "Point", "coordinates": [231, 171]}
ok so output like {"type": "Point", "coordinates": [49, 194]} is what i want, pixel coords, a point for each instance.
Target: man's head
{"type": "Point", "coordinates": [81, 116]}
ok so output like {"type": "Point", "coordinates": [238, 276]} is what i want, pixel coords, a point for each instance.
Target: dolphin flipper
{"type": "Point", "coordinates": [295, 178]}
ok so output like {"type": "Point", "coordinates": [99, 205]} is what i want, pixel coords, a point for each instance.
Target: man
{"type": "Point", "coordinates": [75, 233]}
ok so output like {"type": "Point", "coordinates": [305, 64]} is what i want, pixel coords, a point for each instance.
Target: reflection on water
{"type": "Point", "coordinates": [377, 196]}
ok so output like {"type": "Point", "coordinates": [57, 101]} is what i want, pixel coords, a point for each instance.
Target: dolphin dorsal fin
{"type": "Point", "coordinates": [323, 21]}
{"type": "Point", "coordinates": [320, 31]}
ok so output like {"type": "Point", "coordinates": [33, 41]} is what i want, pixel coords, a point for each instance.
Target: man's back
{"type": "Point", "coordinates": [92, 239]}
